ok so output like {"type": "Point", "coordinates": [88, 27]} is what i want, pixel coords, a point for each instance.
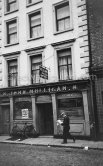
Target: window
{"type": "Point", "coordinates": [64, 64]}
{"type": "Point", "coordinates": [11, 5]}
{"type": "Point", "coordinates": [35, 25]}
{"type": "Point", "coordinates": [62, 12]}
{"type": "Point", "coordinates": [36, 61]}
{"type": "Point", "coordinates": [22, 108]}
{"type": "Point", "coordinates": [33, 1]}
{"type": "Point", "coordinates": [72, 106]}
{"type": "Point", "coordinates": [12, 72]}
{"type": "Point", "coordinates": [11, 31]}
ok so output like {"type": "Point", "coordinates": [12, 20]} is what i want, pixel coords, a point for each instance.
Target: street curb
{"type": "Point", "coordinates": [50, 145]}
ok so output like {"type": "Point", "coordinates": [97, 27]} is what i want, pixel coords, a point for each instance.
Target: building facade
{"type": "Point", "coordinates": [95, 20]}
{"type": "Point", "coordinates": [45, 62]}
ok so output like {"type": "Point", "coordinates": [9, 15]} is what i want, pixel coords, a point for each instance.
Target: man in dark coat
{"type": "Point", "coordinates": [66, 128]}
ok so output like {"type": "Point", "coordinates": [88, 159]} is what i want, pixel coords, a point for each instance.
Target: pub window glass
{"type": "Point", "coordinates": [20, 105]}
{"type": "Point", "coordinates": [72, 107]}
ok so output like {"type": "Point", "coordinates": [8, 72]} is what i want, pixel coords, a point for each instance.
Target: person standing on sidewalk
{"type": "Point", "coordinates": [66, 128]}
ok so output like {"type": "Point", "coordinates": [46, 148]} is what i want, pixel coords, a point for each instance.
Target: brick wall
{"type": "Point", "coordinates": [96, 31]}
{"type": "Point", "coordinates": [95, 20]}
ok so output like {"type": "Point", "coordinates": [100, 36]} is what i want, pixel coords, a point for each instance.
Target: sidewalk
{"type": "Point", "coordinates": [51, 141]}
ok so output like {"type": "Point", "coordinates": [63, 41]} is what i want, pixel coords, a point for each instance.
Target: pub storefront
{"type": "Point", "coordinates": [42, 105]}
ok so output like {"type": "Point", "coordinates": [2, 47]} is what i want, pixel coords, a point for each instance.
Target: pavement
{"type": "Point", "coordinates": [50, 141]}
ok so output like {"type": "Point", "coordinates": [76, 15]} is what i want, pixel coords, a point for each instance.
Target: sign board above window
{"type": "Point", "coordinates": [43, 72]}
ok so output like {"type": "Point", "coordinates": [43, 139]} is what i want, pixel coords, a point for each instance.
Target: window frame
{"type": "Point", "coordinates": [67, 64]}
{"type": "Point", "coordinates": [54, 16]}
{"type": "Point", "coordinates": [62, 46]}
{"type": "Point", "coordinates": [6, 6]}
{"type": "Point", "coordinates": [42, 29]}
{"type": "Point", "coordinates": [10, 57]}
{"type": "Point", "coordinates": [8, 62]}
{"type": "Point", "coordinates": [32, 82]}
{"type": "Point", "coordinates": [32, 3]}
{"type": "Point", "coordinates": [7, 22]}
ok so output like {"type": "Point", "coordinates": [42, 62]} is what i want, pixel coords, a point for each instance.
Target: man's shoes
{"type": "Point", "coordinates": [74, 139]}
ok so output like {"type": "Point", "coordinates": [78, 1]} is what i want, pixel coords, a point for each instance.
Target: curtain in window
{"type": "Point", "coordinates": [12, 69]}
{"type": "Point", "coordinates": [65, 64]}
{"type": "Point", "coordinates": [63, 68]}
{"type": "Point", "coordinates": [63, 18]}
{"type": "Point", "coordinates": [36, 62]}
{"type": "Point", "coordinates": [36, 26]}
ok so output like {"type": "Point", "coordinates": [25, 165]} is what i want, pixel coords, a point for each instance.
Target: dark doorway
{"type": "Point", "coordinates": [5, 120]}
{"type": "Point", "coordinates": [45, 119]}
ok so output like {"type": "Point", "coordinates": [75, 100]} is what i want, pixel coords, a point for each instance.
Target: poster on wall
{"type": "Point", "coordinates": [25, 113]}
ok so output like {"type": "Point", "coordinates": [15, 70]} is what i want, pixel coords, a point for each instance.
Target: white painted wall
{"type": "Point", "coordinates": [49, 58]}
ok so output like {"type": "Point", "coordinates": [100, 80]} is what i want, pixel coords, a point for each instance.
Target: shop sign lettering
{"type": "Point", "coordinates": [46, 89]}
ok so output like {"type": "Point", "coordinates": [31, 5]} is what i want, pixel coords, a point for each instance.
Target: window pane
{"type": "Point", "coordinates": [11, 5]}
{"type": "Point", "coordinates": [61, 25]}
{"type": "Point", "coordinates": [36, 32]}
{"type": "Point", "coordinates": [36, 61]}
{"type": "Point", "coordinates": [36, 20]}
{"type": "Point", "coordinates": [35, 76]}
{"type": "Point", "coordinates": [35, 25]}
{"type": "Point", "coordinates": [65, 64]}
{"type": "Point", "coordinates": [70, 72]}
{"type": "Point", "coordinates": [63, 61]}
{"type": "Point", "coordinates": [67, 23]}
{"type": "Point", "coordinates": [20, 104]}
{"type": "Point", "coordinates": [71, 108]}
{"type": "Point", "coordinates": [13, 38]}
{"type": "Point", "coordinates": [12, 73]}
{"type": "Point", "coordinates": [12, 28]}
{"type": "Point", "coordinates": [63, 73]}
{"type": "Point", "coordinates": [63, 12]}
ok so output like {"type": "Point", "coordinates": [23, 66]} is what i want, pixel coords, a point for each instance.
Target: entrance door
{"type": "Point", "coordinates": [5, 120]}
{"type": "Point", "coordinates": [45, 119]}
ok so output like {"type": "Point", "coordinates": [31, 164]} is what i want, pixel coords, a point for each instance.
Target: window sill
{"type": "Point", "coordinates": [31, 4]}
{"type": "Point", "coordinates": [30, 39]}
{"type": "Point", "coordinates": [59, 32]}
{"type": "Point", "coordinates": [6, 13]}
{"type": "Point", "coordinates": [8, 45]}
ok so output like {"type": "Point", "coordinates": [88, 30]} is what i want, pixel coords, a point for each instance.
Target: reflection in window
{"type": "Point", "coordinates": [73, 107]}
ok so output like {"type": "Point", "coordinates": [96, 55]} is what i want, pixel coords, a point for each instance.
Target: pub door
{"type": "Point", "coordinates": [5, 120]}
{"type": "Point", "coordinates": [45, 119]}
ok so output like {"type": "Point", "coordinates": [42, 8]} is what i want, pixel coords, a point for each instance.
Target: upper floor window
{"type": "Point", "coordinates": [33, 1]}
{"type": "Point", "coordinates": [64, 64]}
{"type": "Point", "coordinates": [36, 61]}
{"type": "Point", "coordinates": [12, 72]}
{"type": "Point", "coordinates": [11, 32]}
{"type": "Point", "coordinates": [62, 17]}
{"type": "Point", "coordinates": [11, 5]}
{"type": "Point", "coordinates": [11, 27]}
{"type": "Point", "coordinates": [35, 25]}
